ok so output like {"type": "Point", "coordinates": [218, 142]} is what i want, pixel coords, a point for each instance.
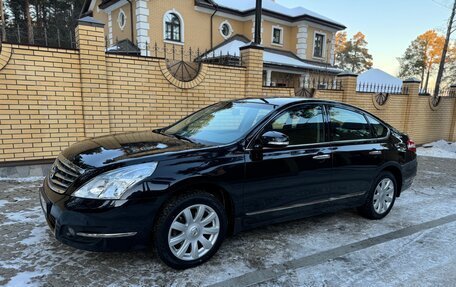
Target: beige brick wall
{"type": "Point", "coordinates": [51, 98]}
{"type": "Point", "coordinates": [40, 102]}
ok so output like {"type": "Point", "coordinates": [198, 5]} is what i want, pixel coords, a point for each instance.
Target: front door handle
{"type": "Point", "coordinates": [375, 152]}
{"type": "Point", "coordinates": [322, 156]}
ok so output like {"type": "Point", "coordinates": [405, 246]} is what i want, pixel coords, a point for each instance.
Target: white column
{"type": "Point", "coordinates": [301, 43]}
{"type": "Point", "coordinates": [142, 27]}
{"type": "Point", "coordinates": [110, 37]}
{"type": "Point", "coordinates": [268, 78]}
{"type": "Point", "coordinates": [333, 49]}
{"type": "Point", "coordinates": [302, 79]}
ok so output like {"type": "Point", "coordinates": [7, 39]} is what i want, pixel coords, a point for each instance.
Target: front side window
{"type": "Point", "coordinates": [277, 36]}
{"type": "Point", "coordinates": [378, 128]}
{"type": "Point", "coordinates": [222, 123]}
{"type": "Point", "coordinates": [319, 45]}
{"type": "Point", "coordinates": [302, 125]}
{"type": "Point", "coordinates": [173, 30]}
{"type": "Point", "coordinates": [348, 125]}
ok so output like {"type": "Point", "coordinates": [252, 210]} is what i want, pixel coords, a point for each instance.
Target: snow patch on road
{"type": "Point", "coordinates": [37, 235]}
{"type": "Point", "coordinates": [26, 278]}
{"type": "Point", "coordinates": [22, 179]}
{"type": "Point", "coordinates": [441, 148]}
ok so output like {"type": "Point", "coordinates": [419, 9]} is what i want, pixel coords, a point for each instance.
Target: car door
{"type": "Point", "coordinates": [357, 154]}
{"type": "Point", "coordinates": [280, 182]}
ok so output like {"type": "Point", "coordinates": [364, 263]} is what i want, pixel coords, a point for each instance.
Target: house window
{"type": "Point", "coordinates": [173, 27]}
{"type": "Point", "coordinates": [225, 29]}
{"type": "Point", "coordinates": [122, 19]}
{"type": "Point", "coordinates": [319, 45]}
{"type": "Point", "coordinates": [277, 35]}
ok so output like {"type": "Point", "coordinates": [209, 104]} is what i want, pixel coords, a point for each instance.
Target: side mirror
{"type": "Point", "coordinates": [275, 139]}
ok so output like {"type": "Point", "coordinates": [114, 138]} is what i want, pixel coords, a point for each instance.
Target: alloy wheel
{"type": "Point", "coordinates": [383, 195]}
{"type": "Point", "coordinates": [193, 232]}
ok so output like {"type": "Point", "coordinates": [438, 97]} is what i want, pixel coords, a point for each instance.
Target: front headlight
{"type": "Point", "coordinates": [113, 184]}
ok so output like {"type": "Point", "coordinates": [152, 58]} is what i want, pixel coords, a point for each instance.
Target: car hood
{"type": "Point", "coordinates": [107, 150]}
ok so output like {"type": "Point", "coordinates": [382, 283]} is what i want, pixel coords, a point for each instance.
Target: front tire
{"type": "Point", "coordinates": [381, 197]}
{"type": "Point", "coordinates": [189, 230]}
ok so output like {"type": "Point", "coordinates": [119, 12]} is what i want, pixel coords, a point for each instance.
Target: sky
{"type": "Point", "coordinates": [389, 25]}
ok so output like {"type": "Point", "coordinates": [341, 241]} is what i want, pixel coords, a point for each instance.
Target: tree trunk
{"type": "Point", "coordinates": [422, 77]}
{"type": "Point", "coordinates": [444, 52]}
{"type": "Point", "coordinates": [427, 79]}
{"type": "Point", "coordinates": [29, 22]}
{"type": "Point", "coordinates": [2, 16]}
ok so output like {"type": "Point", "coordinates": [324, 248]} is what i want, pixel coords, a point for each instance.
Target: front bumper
{"type": "Point", "coordinates": [99, 225]}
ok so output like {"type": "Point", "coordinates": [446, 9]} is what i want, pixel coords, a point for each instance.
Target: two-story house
{"type": "Point", "coordinates": [298, 43]}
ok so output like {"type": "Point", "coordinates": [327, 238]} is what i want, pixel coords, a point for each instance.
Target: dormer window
{"type": "Point", "coordinates": [173, 27]}
{"type": "Point", "coordinates": [319, 45]}
{"type": "Point", "coordinates": [277, 35]}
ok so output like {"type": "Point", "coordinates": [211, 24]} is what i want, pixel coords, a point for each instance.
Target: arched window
{"type": "Point", "coordinates": [173, 27]}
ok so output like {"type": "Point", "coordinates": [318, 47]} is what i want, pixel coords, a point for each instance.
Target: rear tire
{"type": "Point", "coordinates": [190, 230]}
{"type": "Point", "coordinates": [381, 197]}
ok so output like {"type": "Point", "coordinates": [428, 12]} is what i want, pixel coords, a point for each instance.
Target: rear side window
{"type": "Point", "coordinates": [380, 130]}
{"type": "Point", "coordinates": [348, 125]}
{"type": "Point", "coordinates": [302, 125]}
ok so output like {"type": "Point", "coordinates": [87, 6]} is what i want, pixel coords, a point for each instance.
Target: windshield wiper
{"type": "Point", "coordinates": [182, 138]}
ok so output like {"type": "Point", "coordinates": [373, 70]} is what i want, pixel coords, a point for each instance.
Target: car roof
{"type": "Point", "coordinates": [281, 101]}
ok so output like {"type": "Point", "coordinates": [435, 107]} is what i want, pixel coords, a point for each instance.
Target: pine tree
{"type": "Point", "coordinates": [43, 22]}
{"type": "Point", "coordinates": [353, 55]}
{"type": "Point", "coordinates": [412, 63]}
{"type": "Point", "coordinates": [421, 57]}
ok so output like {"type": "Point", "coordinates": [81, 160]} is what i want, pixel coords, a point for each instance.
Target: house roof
{"type": "Point", "coordinates": [270, 8]}
{"type": "Point", "coordinates": [246, 8]}
{"type": "Point", "coordinates": [379, 77]}
{"type": "Point", "coordinates": [125, 47]}
{"type": "Point", "coordinates": [272, 58]}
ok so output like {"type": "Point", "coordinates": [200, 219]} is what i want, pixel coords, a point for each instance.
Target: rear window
{"type": "Point", "coordinates": [348, 125]}
{"type": "Point", "coordinates": [379, 129]}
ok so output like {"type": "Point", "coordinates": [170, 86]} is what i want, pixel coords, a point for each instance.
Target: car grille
{"type": "Point", "coordinates": [62, 174]}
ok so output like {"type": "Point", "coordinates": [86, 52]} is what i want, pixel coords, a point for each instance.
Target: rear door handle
{"type": "Point", "coordinates": [322, 156]}
{"type": "Point", "coordinates": [375, 152]}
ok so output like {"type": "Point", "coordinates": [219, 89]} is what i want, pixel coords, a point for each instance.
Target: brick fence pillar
{"type": "Point", "coordinates": [453, 119]}
{"type": "Point", "coordinates": [412, 88]}
{"type": "Point", "coordinates": [252, 59]}
{"type": "Point", "coordinates": [348, 81]}
{"type": "Point", "coordinates": [452, 92]}
{"type": "Point", "coordinates": [90, 41]}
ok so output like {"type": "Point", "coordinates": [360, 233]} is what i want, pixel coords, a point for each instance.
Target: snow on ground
{"type": "Point", "coordinates": [22, 179]}
{"type": "Point", "coordinates": [439, 148]}
{"type": "Point", "coordinates": [30, 256]}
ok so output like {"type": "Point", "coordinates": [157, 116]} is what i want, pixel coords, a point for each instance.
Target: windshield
{"type": "Point", "coordinates": [221, 123]}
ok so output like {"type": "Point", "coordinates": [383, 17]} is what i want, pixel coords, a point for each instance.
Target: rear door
{"type": "Point", "coordinates": [357, 153]}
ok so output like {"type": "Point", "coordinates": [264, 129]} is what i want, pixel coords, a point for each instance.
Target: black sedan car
{"type": "Point", "coordinates": [229, 167]}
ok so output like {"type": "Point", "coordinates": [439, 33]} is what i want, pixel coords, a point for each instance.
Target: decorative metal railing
{"type": "Point", "coordinates": [381, 88]}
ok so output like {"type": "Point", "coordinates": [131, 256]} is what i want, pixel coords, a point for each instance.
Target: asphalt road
{"type": "Point", "coordinates": [414, 246]}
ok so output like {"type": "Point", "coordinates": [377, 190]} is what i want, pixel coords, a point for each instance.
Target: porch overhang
{"type": "Point", "coordinates": [278, 60]}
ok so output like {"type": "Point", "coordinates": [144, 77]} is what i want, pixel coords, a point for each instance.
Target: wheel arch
{"type": "Point", "coordinates": [397, 173]}
{"type": "Point", "coordinates": [205, 185]}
